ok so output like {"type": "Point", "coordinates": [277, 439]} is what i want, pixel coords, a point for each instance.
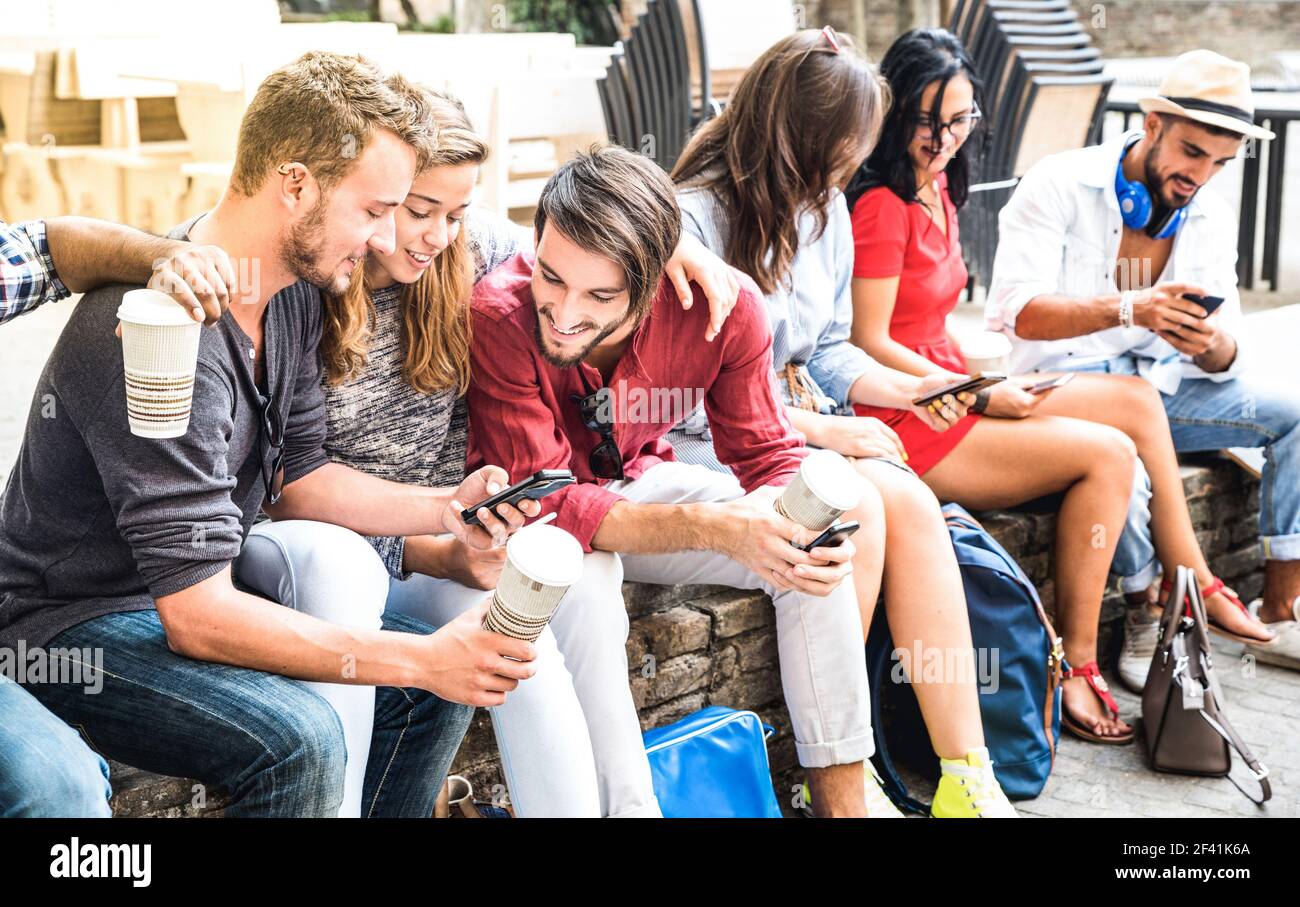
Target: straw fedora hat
{"type": "Point", "coordinates": [1208, 88]}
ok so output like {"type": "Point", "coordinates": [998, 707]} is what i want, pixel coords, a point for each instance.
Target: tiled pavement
{"type": "Point", "coordinates": [1263, 703]}
{"type": "Point", "coordinates": [1088, 780]}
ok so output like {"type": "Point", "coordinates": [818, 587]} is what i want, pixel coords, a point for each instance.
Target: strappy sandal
{"type": "Point", "coordinates": [1215, 587]}
{"type": "Point", "coordinates": [1092, 674]}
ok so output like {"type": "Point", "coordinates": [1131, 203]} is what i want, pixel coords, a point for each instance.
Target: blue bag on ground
{"type": "Point", "coordinates": [712, 764]}
{"type": "Point", "coordinates": [1022, 714]}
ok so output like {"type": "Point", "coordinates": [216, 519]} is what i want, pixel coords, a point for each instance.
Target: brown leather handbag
{"type": "Point", "coordinates": [1186, 729]}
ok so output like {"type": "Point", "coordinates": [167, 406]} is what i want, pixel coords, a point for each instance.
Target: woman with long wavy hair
{"type": "Point", "coordinates": [761, 185]}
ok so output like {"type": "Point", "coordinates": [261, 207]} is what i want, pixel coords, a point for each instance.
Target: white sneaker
{"type": "Point", "coordinates": [879, 806]}
{"type": "Point", "coordinates": [1284, 650]}
{"type": "Point", "coordinates": [1141, 632]}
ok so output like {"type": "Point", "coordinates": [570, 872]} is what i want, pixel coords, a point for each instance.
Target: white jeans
{"type": "Point", "coordinates": [569, 737]}
{"type": "Point", "coordinates": [819, 640]}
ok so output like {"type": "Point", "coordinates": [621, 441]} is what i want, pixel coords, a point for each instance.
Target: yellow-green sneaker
{"type": "Point", "coordinates": [968, 790]}
{"type": "Point", "coordinates": [879, 806]}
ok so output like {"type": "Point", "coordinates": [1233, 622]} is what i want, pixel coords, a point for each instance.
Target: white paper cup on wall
{"type": "Point", "coordinates": [827, 485]}
{"type": "Point", "coordinates": [986, 351]}
{"type": "Point", "coordinates": [542, 562]}
{"type": "Point", "coordinates": [160, 350]}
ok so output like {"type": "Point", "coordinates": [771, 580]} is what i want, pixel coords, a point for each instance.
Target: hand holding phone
{"type": "Point", "coordinates": [832, 536]}
{"type": "Point", "coordinates": [1209, 303]}
{"type": "Point", "coordinates": [535, 487]}
{"type": "Point", "coordinates": [974, 384]}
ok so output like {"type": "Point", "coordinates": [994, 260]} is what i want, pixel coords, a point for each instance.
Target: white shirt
{"type": "Point", "coordinates": [1060, 234]}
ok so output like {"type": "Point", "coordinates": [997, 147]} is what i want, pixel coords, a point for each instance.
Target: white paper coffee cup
{"type": "Point", "coordinates": [986, 351]}
{"type": "Point", "coordinates": [160, 350]}
{"type": "Point", "coordinates": [542, 562]}
{"type": "Point", "coordinates": [827, 485]}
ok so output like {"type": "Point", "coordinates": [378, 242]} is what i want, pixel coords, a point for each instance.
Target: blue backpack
{"type": "Point", "coordinates": [712, 764]}
{"type": "Point", "coordinates": [1022, 714]}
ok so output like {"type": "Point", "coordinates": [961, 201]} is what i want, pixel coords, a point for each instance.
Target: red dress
{"type": "Point", "coordinates": [894, 238]}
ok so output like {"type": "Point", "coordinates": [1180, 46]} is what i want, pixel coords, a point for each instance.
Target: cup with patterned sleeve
{"type": "Point", "coordinates": [160, 351]}
{"type": "Point", "coordinates": [826, 486]}
{"type": "Point", "coordinates": [542, 562]}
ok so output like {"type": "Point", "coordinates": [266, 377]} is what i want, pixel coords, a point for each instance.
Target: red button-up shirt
{"type": "Point", "coordinates": [523, 419]}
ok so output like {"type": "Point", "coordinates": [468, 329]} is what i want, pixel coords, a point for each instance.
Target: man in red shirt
{"type": "Point", "coordinates": [583, 359]}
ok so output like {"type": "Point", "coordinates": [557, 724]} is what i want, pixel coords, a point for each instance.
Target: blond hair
{"type": "Point", "coordinates": [321, 111]}
{"type": "Point", "coordinates": [435, 309]}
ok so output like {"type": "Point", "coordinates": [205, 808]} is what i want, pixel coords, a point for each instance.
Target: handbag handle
{"type": "Point", "coordinates": [1218, 721]}
{"type": "Point", "coordinates": [1174, 604]}
{"type": "Point", "coordinates": [1197, 604]}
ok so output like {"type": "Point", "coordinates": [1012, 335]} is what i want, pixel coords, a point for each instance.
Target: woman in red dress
{"type": "Point", "coordinates": [904, 245]}
{"type": "Point", "coordinates": [908, 273]}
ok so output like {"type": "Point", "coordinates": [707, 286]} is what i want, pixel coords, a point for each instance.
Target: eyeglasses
{"type": "Point", "coordinates": [605, 460]}
{"type": "Point", "coordinates": [959, 127]}
{"type": "Point", "coordinates": [271, 430]}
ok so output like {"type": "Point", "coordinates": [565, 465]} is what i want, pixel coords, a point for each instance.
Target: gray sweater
{"type": "Point", "coordinates": [380, 425]}
{"type": "Point", "coordinates": [95, 520]}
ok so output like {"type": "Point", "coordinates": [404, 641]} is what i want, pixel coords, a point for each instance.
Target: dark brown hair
{"type": "Point", "coordinates": [621, 206]}
{"type": "Point", "coordinates": [802, 118]}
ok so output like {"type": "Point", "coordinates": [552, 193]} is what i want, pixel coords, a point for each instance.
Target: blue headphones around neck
{"type": "Point", "coordinates": [1136, 207]}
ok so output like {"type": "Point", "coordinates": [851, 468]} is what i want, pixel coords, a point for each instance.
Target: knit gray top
{"type": "Point", "coordinates": [379, 424]}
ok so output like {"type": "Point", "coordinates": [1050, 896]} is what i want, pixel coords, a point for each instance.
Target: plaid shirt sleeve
{"type": "Point", "coordinates": [27, 275]}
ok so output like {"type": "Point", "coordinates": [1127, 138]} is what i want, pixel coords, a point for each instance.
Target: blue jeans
{"type": "Point", "coordinates": [273, 744]}
{"type": "Point", "coordinates": [46, 771]}
{"type": "Point", "coordinates": [1208, 415]}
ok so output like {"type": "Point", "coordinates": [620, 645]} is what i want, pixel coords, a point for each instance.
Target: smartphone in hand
{"type": "Point", "coordinates": [534, 488]}
{"type": "Point", "coordinates": [1209, 303]}
{"type": "Point", "coordinates": [1051, 384]}
{"type": "Point", "coordinates": [832, 536]}
{"type": "Point", "coordinates": [971, 385]}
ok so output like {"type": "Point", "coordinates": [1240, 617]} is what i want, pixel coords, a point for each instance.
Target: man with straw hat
{"type": "Point", "coordinates": [1116, 258]}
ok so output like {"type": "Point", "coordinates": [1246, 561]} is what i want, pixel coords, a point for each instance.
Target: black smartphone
{"type": "Point", "coordinates": [1051, 384]}
{"type": "Point", "coordinates": [832, 536]}
{"type": "Point", "coordinates": [533, 488]}
{"type": "Point", "coordinates": [971, 385]}
{"type": "Point", "coordinates": [1209, 303]}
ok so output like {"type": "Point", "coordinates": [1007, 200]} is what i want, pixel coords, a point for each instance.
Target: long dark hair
{"type": "Point", "coordinates": [912, 63]}
{"type": "Point", "coordinates": [795, 125]}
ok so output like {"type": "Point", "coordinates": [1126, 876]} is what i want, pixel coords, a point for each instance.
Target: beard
{"type": "Point", "coordinates": [575, 358]}
{"type": "Point", "coordinates": [1158, 186]}
{"type": "Point", "coordinates": [302, 251]}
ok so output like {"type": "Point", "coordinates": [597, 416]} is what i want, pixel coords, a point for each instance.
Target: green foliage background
{"type": "Point", "coordinates": [590, 20]}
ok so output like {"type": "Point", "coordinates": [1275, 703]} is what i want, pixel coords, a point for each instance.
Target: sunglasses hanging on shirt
{"type": "Point", "coordinates": [596, 408]}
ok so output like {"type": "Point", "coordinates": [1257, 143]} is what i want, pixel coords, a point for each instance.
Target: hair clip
{"type": "Point", "coordinates": [829, 34]}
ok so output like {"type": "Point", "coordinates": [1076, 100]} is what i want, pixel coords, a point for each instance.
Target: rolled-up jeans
{"type": "Point", "coordinates": [1209, 415]}
{"type": "Point", "coordinates": [46, 770]}
{"type": "Point", "coordinates": [569, 738]}
{"type": "Point", "coordinates": [819, 639]}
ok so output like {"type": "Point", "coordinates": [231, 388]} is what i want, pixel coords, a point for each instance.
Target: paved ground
{"type": "Point", "coordinates": [1263, 703]}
